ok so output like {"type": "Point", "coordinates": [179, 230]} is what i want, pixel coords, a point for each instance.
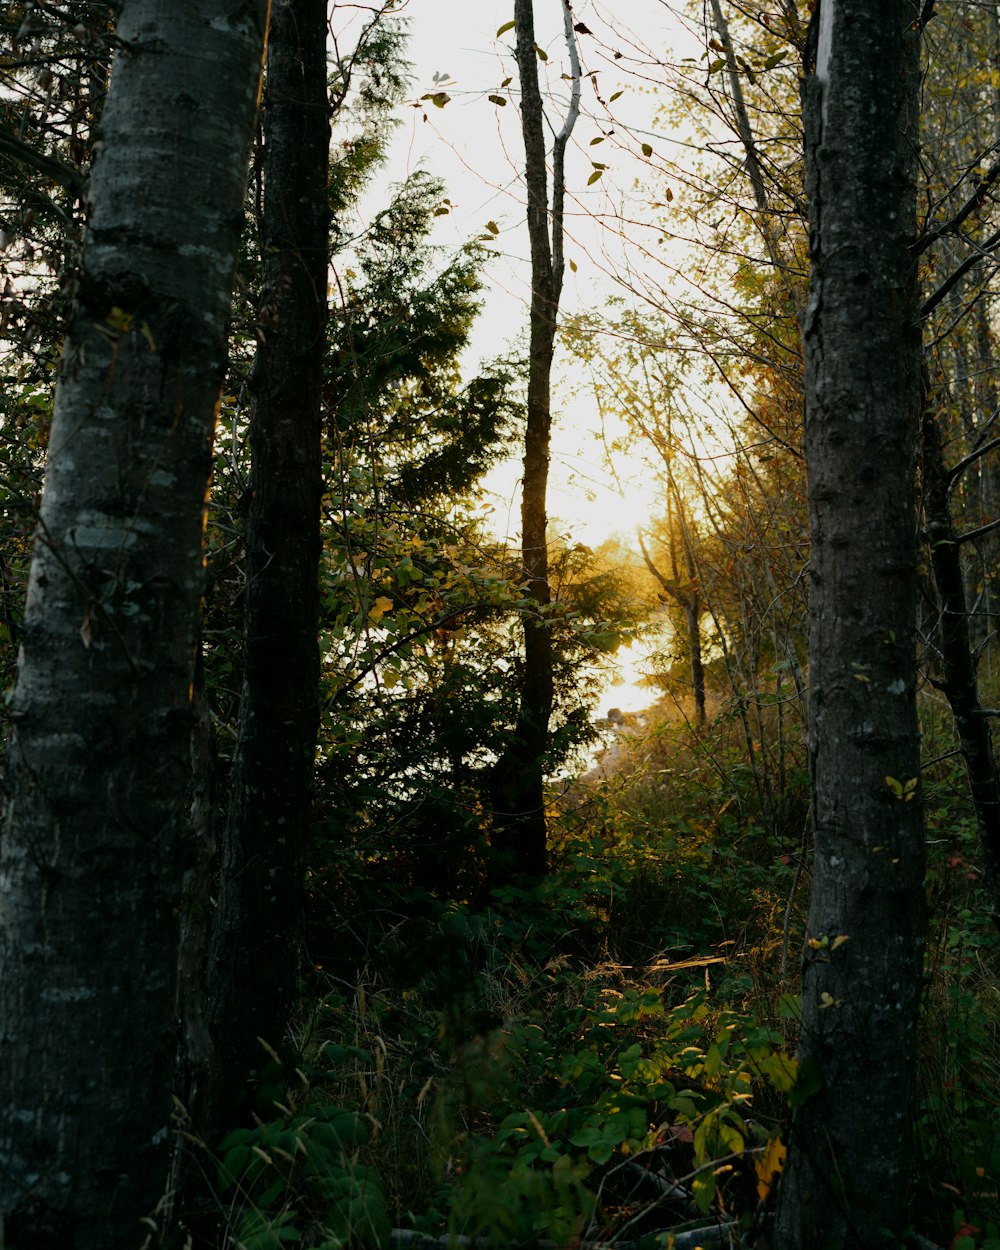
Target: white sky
{"type": "Point", "coordinates": [475, 147]}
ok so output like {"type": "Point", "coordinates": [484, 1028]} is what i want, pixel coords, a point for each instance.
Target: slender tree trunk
{"type": "Point", "coordinates": [692, 618]}
{"type": "Point", "coordinates": [688, 598]}
{"type": "Point", "coordinates": [519, 828]}
{"type": "Point", "coordinates": [256, 932]}
{"type": "Point", "coordinates": [97, 774]}
{"type": "Point", "coordinates": [847, 1183]}
{"type": "Point", "coordinates": [960, 682]}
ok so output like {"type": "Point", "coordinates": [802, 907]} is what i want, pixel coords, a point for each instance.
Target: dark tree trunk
{"type": "Point", "coordinates": [518, 840]}
{"type": "Point", "coordinates": [98, 770]}
{"type": "Point", "coordinates": [847, 1183]}
{"type": "Point", "coordinates": [692, 618]}
{"type": "Point", "coordinates": [960, 682]}
{"type": "Point", "coordinates": [256, 932]}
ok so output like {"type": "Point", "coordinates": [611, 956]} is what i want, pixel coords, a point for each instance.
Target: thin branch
{"type": "Point", "coordinates": [981, 251]}
{"type": "Point", "coordinates": [977, 533]}
{"type": "Point", "coordinates": [48, 166]}
{"type": "Point", "coordinates": [974, 201]}
{"type": "Point", "coordinates": [559, 152]}
{"type": "Point", "coordinates": [971, 458]}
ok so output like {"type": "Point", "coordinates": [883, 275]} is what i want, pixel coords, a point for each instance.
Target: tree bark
{"type": "Point", "coordinates": [847, 1182]}
{"type": "Point", "coordinates": [256, 932]}
{"type": "Point", "coordinates": [518, 840]}
{"type": "Point", "coordinates": [94, 849]}
{"type": "Point", "coordinates": [960, 682]}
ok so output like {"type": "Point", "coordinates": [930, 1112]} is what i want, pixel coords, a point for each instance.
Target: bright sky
{"type": "Point", "coordinates": [474, 145]}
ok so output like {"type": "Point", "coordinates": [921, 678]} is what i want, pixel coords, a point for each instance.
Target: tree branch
{"type": "Point", "coordinates": [559, 153]}
{"type": "Point", "coordinates": [977, 533]}
{"type": "Point", "coordinates": [971, 458]}
{"type": "Point", "coordinates": [979, 254]}
{"type": "Point", "coordinates": [48, 166]}
{"type": "Point", "coordinates": [974, 201]}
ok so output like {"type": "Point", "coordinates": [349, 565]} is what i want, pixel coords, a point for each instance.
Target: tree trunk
{"type": "Point", "coordinates": [692, 618]}
{"type": "Point", "coordinates": [97, 772]}
{"type": "Point", "coordinates": [686, 594]}
{"type": "Point", "coordinates": [847, 1181]}
{"type": "Point", "coordinates": [256, 931]}
{"type": "Point", "coordinates": [518, 840]}
{"type": "Point", "coordinates": [960, 682]}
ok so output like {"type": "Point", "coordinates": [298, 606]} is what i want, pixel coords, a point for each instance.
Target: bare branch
{"type": "Point", "coordinates": [977, 533]}
{"type": "Point", "coordinates": [981, 251]}
{"type": "Point", "coordinates": [48, 166]}
{"type": "Point", "coordinates": [974, 201]}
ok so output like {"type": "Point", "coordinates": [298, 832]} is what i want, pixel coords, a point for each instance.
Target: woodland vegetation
{"type": "Point", "coordinates": [332, 914]}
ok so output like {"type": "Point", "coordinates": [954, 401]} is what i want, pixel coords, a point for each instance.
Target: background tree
{"type": "Point", "coordinates": [97, 769]}
{"type": "Point", "coordinates": [518, 838]}
{"type": "Point", "coordinates": [256, 927]}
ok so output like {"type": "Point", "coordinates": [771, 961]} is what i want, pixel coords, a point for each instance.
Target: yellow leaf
{"type": "Point", "coordinates": [119, 319]}
{"type": "Point", "coordinates": [769, 1165]}
{"type": "Point", "coordinates": [839, 940]}
{"type": "Point", "coordinates": [379, 608]}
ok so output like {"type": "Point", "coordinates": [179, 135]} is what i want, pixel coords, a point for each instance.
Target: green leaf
{"type": "Point", "coordinates": [781, 1070]}
{"type": "Point", "coordinates": [716, 65]}
{"type": "Point", "coordinates": [504, 28]}
{"type": "Point", "coordinates": [790, 1006]}
{"type": "Point", "coordinates": [614, 96]}
{"type": "Point", "coordinates": [808, 1083]}
{"type": "Point", "coordinates": [497, 99]}
{"type": "Point", "coordinates": [647, 149]}
{"type": "Point", "coordinates": [703, 1188]}
{"type": "Point", "coordinates": [233, 1164]}
{"type": "Point", "coordinates": [594, 177]}
{"type": "Point", "coordinates": [542, 54]}
{"type": "Point", "coordinates": [774, 60]}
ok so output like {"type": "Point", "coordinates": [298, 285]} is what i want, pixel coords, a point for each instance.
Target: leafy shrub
{"type": "Point", "coordinates": [296, 1179]}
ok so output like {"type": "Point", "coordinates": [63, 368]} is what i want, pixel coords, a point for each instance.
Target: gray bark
{"type": "Point", "coordinates": [95, 817]}
{"type": "Point", "coordinates": [847, 1180]}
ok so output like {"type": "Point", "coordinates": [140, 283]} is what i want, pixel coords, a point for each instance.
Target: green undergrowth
{"type": "Point", "coordinates": [569, 1059]}
{"type": "Point", "coordinates": [608, 1054]}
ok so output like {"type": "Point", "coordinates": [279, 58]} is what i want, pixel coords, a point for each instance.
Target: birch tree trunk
{"type": "Point", "coordinates": [97, 774]}
{"type": "Point", "coordinates": [256, 933]}
{"type": "Point", "coordinates": [847, 1180]}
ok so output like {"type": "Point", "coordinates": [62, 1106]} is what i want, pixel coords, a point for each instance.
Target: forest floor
{"type": "Point", "coordinates": [606, 1056]}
